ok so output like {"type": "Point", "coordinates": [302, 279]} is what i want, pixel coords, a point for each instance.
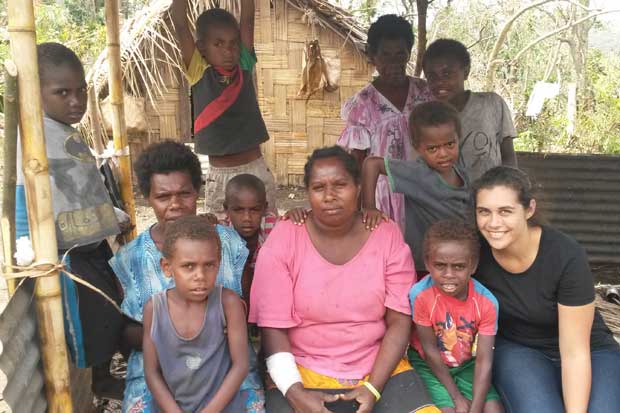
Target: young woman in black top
{"type": "Point", "coordinates": [553, 353]}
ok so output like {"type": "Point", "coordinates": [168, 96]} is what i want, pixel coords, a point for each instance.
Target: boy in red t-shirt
{"type": "Point", "coordinates": [451, 313]}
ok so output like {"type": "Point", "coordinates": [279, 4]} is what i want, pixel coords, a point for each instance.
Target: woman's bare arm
{"type": "Point", "coordinates": [392, 350]}
{"type": "Point", "coordinates": [575, 325]}
{"type": "Point", "coordinates": [275, 340]}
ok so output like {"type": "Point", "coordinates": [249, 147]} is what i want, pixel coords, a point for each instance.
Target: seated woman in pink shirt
{"type": "Point", "coordinates": [331, 299]}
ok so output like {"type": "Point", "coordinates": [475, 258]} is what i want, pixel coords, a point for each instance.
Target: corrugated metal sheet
{"type": "Point", "coordinates": [22, 378]}
{"type": "Point", "coordinates": [580, 195]}
{"type": "Point", "coordinates": [20, 360]}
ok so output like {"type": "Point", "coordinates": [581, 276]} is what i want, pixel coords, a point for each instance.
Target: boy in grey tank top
{"type": "Point", "coordinates": [195, 334]}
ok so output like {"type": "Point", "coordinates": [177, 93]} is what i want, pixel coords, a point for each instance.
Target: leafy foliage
{"type": "Point", "coordinates": [78, 24]}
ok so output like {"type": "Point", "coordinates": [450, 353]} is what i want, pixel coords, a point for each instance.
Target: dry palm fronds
{"type": "Point", "coordinates": [149, 56]}
{"type": "Point", "coordinates": [333, 18]}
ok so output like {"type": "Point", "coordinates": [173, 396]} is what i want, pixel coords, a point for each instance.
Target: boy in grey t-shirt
{"type": "Point", "coordinates": [487, 130]}
{"type": "Point", "coordinates": [435, 187]}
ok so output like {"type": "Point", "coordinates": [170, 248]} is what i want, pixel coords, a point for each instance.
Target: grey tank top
{"type": "Point", "coordinates": [194, 369]}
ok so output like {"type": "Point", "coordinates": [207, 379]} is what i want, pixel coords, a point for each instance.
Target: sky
{"type": "Point", "coordinates": [395, 6]}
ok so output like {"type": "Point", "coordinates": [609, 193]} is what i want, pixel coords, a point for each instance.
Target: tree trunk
{"type": "Point", "coordinates": [422, 6]}
{"type": "Point", "coordinates": [579, 50]}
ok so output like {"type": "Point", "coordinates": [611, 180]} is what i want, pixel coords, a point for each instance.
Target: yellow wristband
{"type": "Point", "coordinates": [373, 390]}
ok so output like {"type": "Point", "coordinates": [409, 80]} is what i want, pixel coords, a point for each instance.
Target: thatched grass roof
{"type": "Point", "coordinates": [150, 56]}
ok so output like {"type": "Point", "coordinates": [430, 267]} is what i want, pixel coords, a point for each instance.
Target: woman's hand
{"type": "Point", "coordinates": [305, 401]}
{"type": "Point", "coordinates": [363, 396]}
{"type": "Point", "coordinates": [372, 217]}
{"type": "Point", "coordinates": [297, 215]}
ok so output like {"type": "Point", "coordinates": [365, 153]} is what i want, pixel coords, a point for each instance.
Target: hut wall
{"type": "Point", "coordinates": [168, 116]}
{"type": "Point", "coordinates": [298, 126]}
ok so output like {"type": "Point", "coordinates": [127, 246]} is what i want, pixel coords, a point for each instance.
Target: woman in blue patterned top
{"type": "Point", "coordinates": [169, 177]}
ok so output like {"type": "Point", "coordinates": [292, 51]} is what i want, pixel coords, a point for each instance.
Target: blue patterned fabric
{"type": "Point", "coordinates": [137, 267]}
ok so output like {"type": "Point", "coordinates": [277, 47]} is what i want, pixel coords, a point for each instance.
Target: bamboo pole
{"type": "Point", "coordinates": [119, 128]}
{"type": "Point", "coordinates": [40, 212]}
{"type": "Point", "coordinates": [11, 121]}
{"type": "Point", "coordinates": [95, 127]}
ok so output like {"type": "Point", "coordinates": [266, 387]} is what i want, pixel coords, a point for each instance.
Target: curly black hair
{"type": "Point", "coordinates": [165, 157]}
{"type": "Point", "coordinates": [447, 48]}
{"type": "Point", "coordinates": [214, 17]}
{"type": "Point", "coordinates": [190, 227]}
{"type": "Point", "coordinates": [433, 113]}
{"type": "Point", "coordinates": [388, 26]}
{"type": "Point", "coordinates": [451, 230]}
{"type": "Point", "coordinates": [348, 161]}
{"type": "Point", "coordinates": [52, 55]}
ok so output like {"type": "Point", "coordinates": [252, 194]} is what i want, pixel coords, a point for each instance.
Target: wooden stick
{"type": "Point", "coordinates": [40, 212]}
{"type": "Point", "coordinates": [119, 128]}
{"type": "Point", "coordinates": [11, 121]}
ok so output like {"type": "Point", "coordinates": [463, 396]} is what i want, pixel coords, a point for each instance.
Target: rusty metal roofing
{"type": "Point", "coordinates": [579, 195]}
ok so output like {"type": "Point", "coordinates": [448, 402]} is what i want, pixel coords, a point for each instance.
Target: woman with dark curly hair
{"type": "Point", "coordinates": [170, 178]}
{"type": "Point", "coordinates": [377, 116]}
{"type": "Point", "coordinates": [330, 298]}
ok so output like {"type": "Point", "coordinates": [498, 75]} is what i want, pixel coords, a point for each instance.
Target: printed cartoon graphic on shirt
{"type": "Point", "coordinates": [455, 339]}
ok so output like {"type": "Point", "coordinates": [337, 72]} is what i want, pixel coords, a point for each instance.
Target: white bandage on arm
{"type": "Point", "coordinates": [283, 370]}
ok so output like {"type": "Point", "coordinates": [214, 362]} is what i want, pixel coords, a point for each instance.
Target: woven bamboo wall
{"type": "Point", "coordinates": [297, 126]}
{"type": "Point", "coordinates": [168, 117]}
